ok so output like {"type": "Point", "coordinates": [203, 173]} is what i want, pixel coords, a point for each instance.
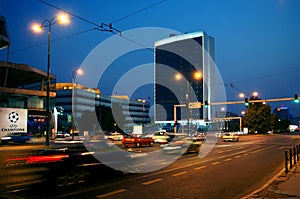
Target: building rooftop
{"type": "Point", "coordinates": [14, 75]}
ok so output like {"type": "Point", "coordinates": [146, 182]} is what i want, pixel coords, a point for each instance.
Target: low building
{"type": "Point", "coordinates": [23, 86]}
{"type": "Point", "coordinates": [91, 108]}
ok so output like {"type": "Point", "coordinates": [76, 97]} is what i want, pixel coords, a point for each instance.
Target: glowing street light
{"type": "Point", "coordinates": [178, 76]}
{"type": "Point", "coordinates": [241, 95]}
{"type": "Point", "coordinates": [62, 19]}
{"type": "Point", "coordinates": [255, 94]}
{"type": "Point", "coordinates": [197, 75]}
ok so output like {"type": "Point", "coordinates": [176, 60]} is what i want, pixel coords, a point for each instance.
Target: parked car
{"type": "Point", "coordinates": [230, 137]}
{"type": "Point", "coordinates": [137, 141]}
{"type": "Point", "coordinates": [16, 138]}
{"type": "Point", "coordinates": [115, 136]}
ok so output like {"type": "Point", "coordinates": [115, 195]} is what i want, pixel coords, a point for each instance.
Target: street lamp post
{"type": "Point", "coordinates": [61, 19]}
{"type": "Point", "coordinates": [143, 123]}
{"type": "Point", "coordinates": [197, 75]}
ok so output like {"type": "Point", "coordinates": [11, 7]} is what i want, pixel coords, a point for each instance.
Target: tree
{"type": "Point", "coordinates": [109, 117]}
{"type": "Point", "coordinates": [258, 118]}
{"type": "Point", "coordinates": [87, 122]}
{"type": "Point", "coordinates": [280, 126]}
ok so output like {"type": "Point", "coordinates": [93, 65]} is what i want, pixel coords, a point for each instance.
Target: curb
{"type": "Point", "coordinates": [254, 193]}
{"type": "Point", "coordinates": [280, 177]}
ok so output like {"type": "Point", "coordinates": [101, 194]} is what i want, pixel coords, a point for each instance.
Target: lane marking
{"type": "Point", "coordinates": [238, 156]}
{"type": "Point", "coordinates": [245, 154]}
{"type": "Point", "coordinates": [198, 168]}
{"type": "Point", "coordinates": [111, 193]}
{"type": "Point", "coordinates": [262, 149]}
{"type": "Point", "coordinates": [126, 180]}
{"type": "Point", "coordinates": [228, 159]}
{"type": "Point", "coordinates": [215, 163]}
{"type": "Point", "coordinates": [152, 181]}
{"type": "Point", "coordinates": [180, 173]}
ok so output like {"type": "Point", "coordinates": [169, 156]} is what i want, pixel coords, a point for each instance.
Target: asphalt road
{"type": "Point", "coordinates": [230, 170]}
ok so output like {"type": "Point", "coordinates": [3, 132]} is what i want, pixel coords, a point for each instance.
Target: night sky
{"type": "Point", "coordinates": [257, 42]}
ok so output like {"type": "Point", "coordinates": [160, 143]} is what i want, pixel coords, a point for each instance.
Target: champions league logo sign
{"type": "Point", "coordinates": [13, 120]}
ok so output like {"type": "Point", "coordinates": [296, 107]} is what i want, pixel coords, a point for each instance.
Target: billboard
{"type": "Point", "coordinates": [13, 120]}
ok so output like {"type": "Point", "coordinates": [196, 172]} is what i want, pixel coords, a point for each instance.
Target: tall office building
{"type": "Point", "coordinates": [184, 74]}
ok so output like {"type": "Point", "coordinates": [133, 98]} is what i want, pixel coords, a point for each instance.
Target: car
{"type": "Point", "coordinates": [182, 145]}
{"type": "Point", "coordinates": [230, 137]}
{"type": "Point", "coordinates": [201, 138]}
{"type": "Point", "coordinates": [115, 136]}
{"type": "Point", "coordinates": [160, 136]}
{"type": "Point", "coordinates": [137, 141]}
{"type": "Point", "coordinates": [61, 134]}
{"type": "Point", "coordinates": [18, 137]}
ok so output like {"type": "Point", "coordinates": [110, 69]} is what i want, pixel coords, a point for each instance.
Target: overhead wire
{"type": "Point", "coordinates": [233, 84]}
{"type": "Point", "coordinates": [52, 40]}
{"type": "Point", "coordinates": [138, 11]}
{"type": "Point", "coordinates": [98, 26]}
{"type": "Point", "coordinates": [107, 27]}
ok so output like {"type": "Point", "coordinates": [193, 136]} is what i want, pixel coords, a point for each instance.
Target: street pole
{"type": "Point", "coordinates": [62, 19]}
{"type": "Point", "coordinates": [187, 105]}
{"type": "Point", "coordinates": [175, 119]}
{"type": "Point", "coordinates": [48, 90]}
{"type": "Point", "coordinates": [175, 115]}
{"type": "Point", "coordinates": [73, 90]}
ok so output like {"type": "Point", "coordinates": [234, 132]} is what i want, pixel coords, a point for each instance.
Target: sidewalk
{"type": "Point", "coordinates": [281, 186]}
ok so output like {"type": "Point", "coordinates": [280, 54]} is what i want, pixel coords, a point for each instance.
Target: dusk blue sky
{"type": "Point", "coordinates": [257, 42]}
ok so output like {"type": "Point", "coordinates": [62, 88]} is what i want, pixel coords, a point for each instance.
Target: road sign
{"type": "Point", "coordinates": [195, 105]}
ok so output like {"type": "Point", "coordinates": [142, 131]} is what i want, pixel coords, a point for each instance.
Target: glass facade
{"type": "Point", "coordinates": [186, 55]}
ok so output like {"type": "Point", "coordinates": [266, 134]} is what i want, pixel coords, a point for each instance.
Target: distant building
{"type": "Point", "coordinates": [84, 100]}
{"type": "Point", "coordinates": [91, 101]}
{"type": "Point", "coordinates": [131, 112]}
{"type": "Point", "coordinates": [184, 54]}
{"type": "Point", "coordinates": [282, 112]}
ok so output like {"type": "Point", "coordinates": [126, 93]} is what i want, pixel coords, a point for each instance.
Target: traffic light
{"type": "Point", "coordinates": [205, 104]}
{"type": "Point", "coordinates": [246, 101]}
{"type": "Point", "coordinates": [296, 99]}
